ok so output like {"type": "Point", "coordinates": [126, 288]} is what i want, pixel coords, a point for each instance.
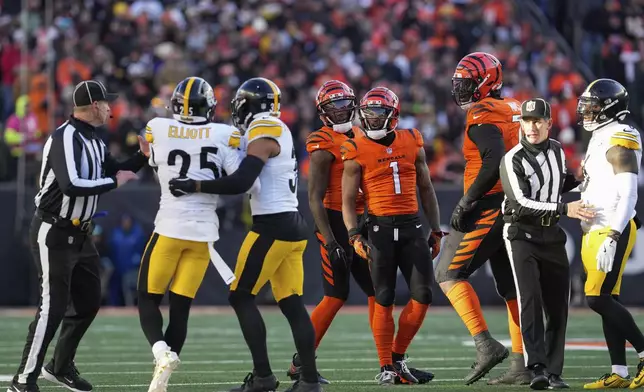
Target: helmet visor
{"type": "Point", "coordinates": [338, 112]}
{"type": "Point", "coordinates": [463, 90]}
{"type": "Point", "coordinates": [375, 117]}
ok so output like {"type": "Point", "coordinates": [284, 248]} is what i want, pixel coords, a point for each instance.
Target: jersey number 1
{"type": "Point", "coordinates": [203, 158]}
{"type": "Point", "coordinates": [394, 166]}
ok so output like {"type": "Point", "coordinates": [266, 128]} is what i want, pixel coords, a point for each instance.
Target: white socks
{"type": "Point", "coordinates": [159, 348]}
{"type": "Point", "coordinates": [620, 370]}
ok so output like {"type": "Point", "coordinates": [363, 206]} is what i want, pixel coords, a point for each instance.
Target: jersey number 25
{"type": "Point", "coordinates": [203, 158]}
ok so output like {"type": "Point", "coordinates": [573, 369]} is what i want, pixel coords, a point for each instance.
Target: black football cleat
{"type": "Point", "coordinates": [252, 383]}
{"type": "Point", "coordinates": [70, 379]}
{"type": "Point", "coordinates": [303, 386]}
{"type": "Point", "coordinates": [556, 382]}
{"type": "Point", "coordinates": [539, 379]}
{"type": "Point", "coordinates": [294, 371]}
{"type": "Point", "coordinates": [17, 387]}
{"type": "Point", "coordinates": [403, 373]}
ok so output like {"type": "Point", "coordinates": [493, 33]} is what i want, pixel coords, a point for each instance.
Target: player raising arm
{"type": "Point", "coordinates": [492, 129]}
{"type": "Point", "coordinates": [390, 164]}
{"type": "Point", "coordinates": [189, 145]}
{"type": "Point", "coordinates": [610, 171]}
{"type": "Point", "coordinates": [273, 249]}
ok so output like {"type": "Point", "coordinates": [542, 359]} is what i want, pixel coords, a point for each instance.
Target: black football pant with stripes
{"type": "Point", "coordinates": [542, 276]}
{"type": "Point", "coordinates": [70, 296]}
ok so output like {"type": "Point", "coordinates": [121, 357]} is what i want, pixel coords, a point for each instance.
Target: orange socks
{"type": "Point", "coordinates": [515, 327]}
{"type": "Point", "coordinates": [409, 323]}
{"type": "Point", "coordinates": [323, 315]}
{"type": "Point", "coordinates": [467, 305]}
{"type": "Point", "coordinates": [372, 309]}
{"type": "Point", "coordinates": [383, 332]}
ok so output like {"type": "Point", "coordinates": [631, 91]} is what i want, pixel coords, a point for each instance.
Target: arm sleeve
{"type": "Point", "coordinates": [489, 141]}
{"type": "Point", "coordinates": [627, 191]}
{"type": "Point", "coordinates": [231, 163]}
{"type": "Point", "coordinates": [134, 163]}
{"type": "Point", "coordinates": [239, 182]}
{"type": "Point", "coordinates": [516, 188]}
{"type": "Point", "coordinates": [65, 157]}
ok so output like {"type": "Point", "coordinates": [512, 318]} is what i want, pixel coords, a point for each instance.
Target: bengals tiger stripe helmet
{"type": "Point", "coordinates": [477, 76]}
{"type": "Point", "coordinates": [336, 105]}
{"type": "Point", "coordinates": [378, 112]}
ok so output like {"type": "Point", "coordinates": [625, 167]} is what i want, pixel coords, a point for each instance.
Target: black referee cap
{"type": "Point", "coordinates": [90, 91]}
{"type": "Point", "coordinates": [535, 108]}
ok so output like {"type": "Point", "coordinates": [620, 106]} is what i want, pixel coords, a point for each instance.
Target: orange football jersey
{"type": "Point", "coordinates": [388, 172]}
{"type": "Point", "coordinates": [504, 114]}
{"type": "Point", "coordinates": [327, 139]}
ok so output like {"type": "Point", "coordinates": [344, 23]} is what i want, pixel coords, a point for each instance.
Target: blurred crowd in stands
{"type": "Point", "coordinates": [141, 48]}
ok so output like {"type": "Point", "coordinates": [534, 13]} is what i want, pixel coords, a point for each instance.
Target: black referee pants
{"type": "Point", "coordinates": [542, 276]}
{"type": "Point", "coordinates": [70, 296]}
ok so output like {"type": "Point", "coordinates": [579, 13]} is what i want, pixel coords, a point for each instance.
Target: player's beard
{"type": "Point", "coordinates": [342, 128]}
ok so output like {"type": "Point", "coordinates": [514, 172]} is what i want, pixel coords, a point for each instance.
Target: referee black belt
{"type": "Point", "coordinates": [58, 221]}
{"type": "Point", "coordinates": [545, 221]}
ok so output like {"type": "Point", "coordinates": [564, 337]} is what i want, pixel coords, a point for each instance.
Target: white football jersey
{"type": "Point", "coordinates": [278, 178]}
{"type": "Point", "coordinates": [200, 152]}
{"type": "Point", "coordinates": [598, 187]}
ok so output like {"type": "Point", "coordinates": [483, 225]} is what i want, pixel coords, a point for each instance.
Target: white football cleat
{"type": "Point", "coordinates": [168, 362]}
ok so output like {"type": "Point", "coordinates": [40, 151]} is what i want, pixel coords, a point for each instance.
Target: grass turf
{"type": "Point", "coordinates": [114, 355]}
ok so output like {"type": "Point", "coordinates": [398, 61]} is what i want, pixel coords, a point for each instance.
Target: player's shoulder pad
{"type": "Point", "coordinates": [490, 111]}
{"type": "Point", "coordinates": [415, 134]}
{"type": "Point", "coordinates": [270, 127]}
{"type": "Point", "coordinates": [349, 149]}
{"type": "Point", "coordinates": [150, 127]}
{"type": "Point", "coordinates": [321, 139]}
{"type": "Point", "coordinates": [626, 136]}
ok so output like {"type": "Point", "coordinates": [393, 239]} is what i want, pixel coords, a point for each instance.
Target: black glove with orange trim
{"type": "Point", "coordinates": [359, 243]}
{"type": "Point", "coordinates": [434, 242]}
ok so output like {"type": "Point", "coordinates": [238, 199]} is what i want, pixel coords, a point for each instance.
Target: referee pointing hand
{"type": "Point", "coordinates": [76, 169]}
{"type": "Point", "coordinates": [533, 174]}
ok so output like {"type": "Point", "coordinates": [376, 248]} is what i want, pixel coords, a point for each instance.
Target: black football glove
{"type": "Point", "coordinates": [182, 186]}
{"type": "Point", "coordinates": [434, 242]}
{"type": "Point", "coordinates": [336, 253]}
{"type": "Point", "coordinates": [459, 221]}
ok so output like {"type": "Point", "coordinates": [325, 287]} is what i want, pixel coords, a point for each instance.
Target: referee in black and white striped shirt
{"type": "Point", "coordinates": [76, 169]}
{"type": "Point", "coordinates": [533, 174]}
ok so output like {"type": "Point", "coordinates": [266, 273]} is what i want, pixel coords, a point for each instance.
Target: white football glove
{"type": "Point", "coordinates": [606, 255]}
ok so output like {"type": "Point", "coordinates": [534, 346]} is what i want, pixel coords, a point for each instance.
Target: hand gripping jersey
{"type": "Point", "coordinates": [388, 172]}
{"type": "Point", "coordinates": [504, 114]}
{"type": "Point", "coordinates": [278, 178]}
{"type": "Point", "coordinates": [597, 188]}
{"type": "Point", "coordinates": [327, 139]}
{"type": "Point", "coordinates": [201, 152]}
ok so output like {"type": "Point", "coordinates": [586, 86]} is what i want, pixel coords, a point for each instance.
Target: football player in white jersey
{"type": "Point", "coordinates": [610, 173]}
{"type": "Point", "coordinates": [189, 145]}
{"type": "Point", "coordinates": [272, 251]}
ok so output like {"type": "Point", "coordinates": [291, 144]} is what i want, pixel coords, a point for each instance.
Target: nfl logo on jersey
{"type": "Point", "coordinates": [389, 150]}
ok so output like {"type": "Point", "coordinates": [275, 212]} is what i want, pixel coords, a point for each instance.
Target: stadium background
{"type": "Point", "coordinates": [140, 49]}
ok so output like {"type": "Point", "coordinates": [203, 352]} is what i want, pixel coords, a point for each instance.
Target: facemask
{"type": "Point", "coordinates": [342, 128]}
{"type": "Point", "coordinates": [376, 135]}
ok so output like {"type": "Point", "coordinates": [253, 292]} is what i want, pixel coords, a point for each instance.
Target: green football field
{"type": "Point", "coordinates": [114, 355]}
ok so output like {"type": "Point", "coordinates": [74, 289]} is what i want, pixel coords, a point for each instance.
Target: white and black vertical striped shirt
{"type": "Point", "coordinates": [76, 169]}
{"type": "Point", "coordinates": [534, 178]}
